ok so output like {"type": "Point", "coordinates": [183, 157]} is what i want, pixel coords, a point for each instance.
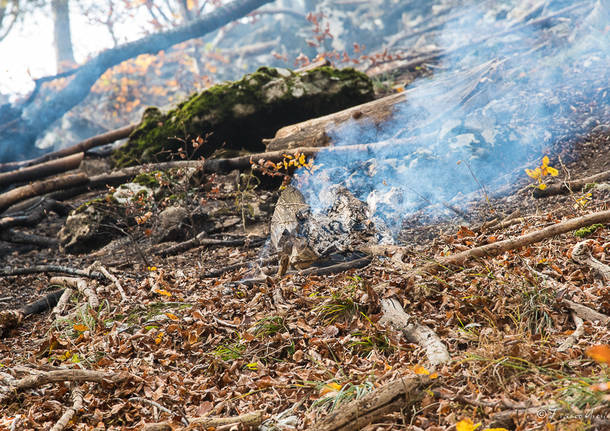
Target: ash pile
{"type": "Point", "coordinates": [303, 237]}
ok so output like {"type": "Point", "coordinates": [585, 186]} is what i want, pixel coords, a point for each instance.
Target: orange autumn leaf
{"type": "Point", "coordinates": [418, 369]}
{"type": "Point", "coordinates": [79, 327]}
{"type": "Point", "coordinates": [601, 353]}
{"type": "Point", "coordinates": [172, 316]}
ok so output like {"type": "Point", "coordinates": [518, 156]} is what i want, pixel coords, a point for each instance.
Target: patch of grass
{"type": "Point", "coordinates": [363, 344]}
{"type": "Point", "coordinates": [341, 304]}
{"type": "Point", "coordinates": [269, 326]}
{"type": "Point", "coordinates": [230, 351]}
{"type": "Point", "coordinates": [583, 395]}
{"type": "Point", "coordinates": [348, 392]}
{"type": "Point", "coordinates": [535, 310]}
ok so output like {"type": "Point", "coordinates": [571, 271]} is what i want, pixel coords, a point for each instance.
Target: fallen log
{"type": "Point", "coordinates": [313, 133]}
{"type": "Point", "coordinates": [42, 170]}
{"type": "Point", "coordinates": [395, 396]}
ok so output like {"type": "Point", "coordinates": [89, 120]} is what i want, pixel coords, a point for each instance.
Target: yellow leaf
{"type": "Point", "coordinates": [330, 387]}
{"type": "Point", "coordinates": [163, 292]}
{"type": "Point", "coordinates": [434, 376]}
{"type": "Point", "coordinates": [552, 171]}
{"type": "Point", "coordinates": [466, 425]}
{"type": "Point", "coordinates": [545, 161]}
{"type": "Point", "coordinates": [159, 338]}
{"type": "Point", "coordinates": [79, 327]}
{"type": "Point", "coordinates": [601, 353]}
{"type": "Point", "coordinates": [172, 316]}
{"type": "Point", "coordinates": [418, 369]}
{"type": "Point", "coordinates": [152, 268]}
{"type": "Point", "coordinates": [542, 186]}
{"type": "Point", "coordinates": [535, 174]}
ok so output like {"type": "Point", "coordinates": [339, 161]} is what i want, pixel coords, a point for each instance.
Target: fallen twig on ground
{"type": "Point", "coordinates": [395, 396]}
{"type": "Point", "coordinates": [82, 287]}
{"type": "Point", "coordinates": [582, 254]}
{"type": "Point", "coordinates": [201, 239]}
{"type": "Point", "coordinates": [34, 214]}
{"type": "Point", "coordinates": [97, 265]}
{"type": "Point", "coordinates": [42, 378]}
{"type": "Point", "coordinates": [252, 419]}
{"type": "Point", "coordinates": [496, 248]}
{"type": "Point", "coordinates": [586, 313]}
{"type": "Point", "coordinates": [41, 187]}
{"type": "Point", "coordinates": [571, 186]}
{"type": "Point", "coordinates": [77, 404]}
{"type": "Point", "coordinates": [52, 268]}
{"type": "Point", "coordinates": [574, 336]}
{"type": "Point", "coordinates": [395, 316]}
{"type": "Point", "coordinates": [17, 237]}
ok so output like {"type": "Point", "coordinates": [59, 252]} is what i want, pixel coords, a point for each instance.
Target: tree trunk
{"type": "Point", "coordinates": [64, 56]}
{"type": "Point", "coordinates": [19, 137]}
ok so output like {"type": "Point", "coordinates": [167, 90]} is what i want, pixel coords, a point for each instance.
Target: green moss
{"type": "Point", "coordinates": [108, 199]}
{"type": "Point", "coordinates": [588, 230]}
{"type": "Point", "coordinates": [239, 114]}
{"type": "Point", "coordinates": [148, 179]}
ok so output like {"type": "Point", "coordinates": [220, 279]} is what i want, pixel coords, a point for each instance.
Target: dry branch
{"type": "Point", "coordinates": [201, 239]}
{"type": "Point", "coordinates": [571, 186]}
{"type": "Point", "coordinates": [82, 287]}
{"type": "Point", "coordinates": [394, 396]}
{"type": "Point", "coordinates": [97, 265]}
{"type": "Point", "coordinates": [36, 213]}
{"type": "Point", "coordinates": [395, 316]}
{"type": "Point", "coordinates": [252, 419]}
{"type": "Point", "coordinates": [582, 254]}
{"type": "Point", "coordinates": [499, 247]}
{"type": "Point", "coordinates": [51, 268]}
{"type": "Point", "coordinates": [77, 404]}
{"type": "Point", "coordinates": [27, 238]}
{"type": "Point", "coordinates": [40, 379]}
{"type": "Point", "coordinates": [42, 170]}
{"type": "Point", "coordinates": [41, 187]}
{"type": "Point", "coordinates": [574, 336]}
{"type": "Point", "coordinates": [586, 313]}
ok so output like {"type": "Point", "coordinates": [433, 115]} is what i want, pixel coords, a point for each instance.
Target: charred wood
{"type": "Point", "coordinates": [51, 268]}
{"type": "Point", "coordinates": [42, 170]}
{"type": "Point", "coordinates": [11, 319]}
{"type": "Point", "coordinates": [571, 186]}
{"type": "Point", "coordinates": [27, 238]}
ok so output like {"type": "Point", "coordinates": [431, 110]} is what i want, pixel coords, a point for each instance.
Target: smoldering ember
{"type": "Point", "coordinates": [306, 215]}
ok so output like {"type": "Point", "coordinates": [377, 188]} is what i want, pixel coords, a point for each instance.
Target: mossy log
{"type": "Point", "coordinates": [238, 115]}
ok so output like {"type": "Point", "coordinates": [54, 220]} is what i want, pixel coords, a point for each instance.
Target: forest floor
{"type": "Point", "coordinates": [185, 345]}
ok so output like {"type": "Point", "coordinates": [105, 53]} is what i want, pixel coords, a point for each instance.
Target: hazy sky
{"type": "Point", "coordinates": [30, 47]}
